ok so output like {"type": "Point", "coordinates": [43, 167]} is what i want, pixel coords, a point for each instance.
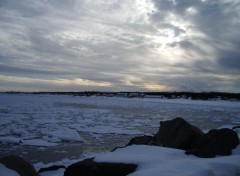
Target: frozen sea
{"type": "Point", "coordinates": [49, 128]}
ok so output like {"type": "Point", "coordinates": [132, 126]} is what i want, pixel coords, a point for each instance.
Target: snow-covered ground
{"type": "Point", "coordinates": [154, 161]}
{"type": "Point", "coordinates": [70, 127]}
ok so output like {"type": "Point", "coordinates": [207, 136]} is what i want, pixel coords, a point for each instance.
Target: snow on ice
{"type": "Point", "coordinates": [51, 120]}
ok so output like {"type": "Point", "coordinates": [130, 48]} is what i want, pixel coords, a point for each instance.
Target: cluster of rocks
{"type": "Point", "coordinates": [176, 133]}
{"type": "Point", "coordinates": [179, 134]}
{"type": "Point", "coordinates": [86, 167]}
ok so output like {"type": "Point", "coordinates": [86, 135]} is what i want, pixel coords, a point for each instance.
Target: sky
{"type": "Point", "coordinates": [120, 45]}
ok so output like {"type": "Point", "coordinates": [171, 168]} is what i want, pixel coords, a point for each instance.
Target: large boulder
{"type": "Point", "coordinates": [90, 168]}
{"type": "Point", "coordinates": [177, 133]}
{"type": "Point", "coordinates": [142, 140]}
{"type": "Point", "coordinates": [16, 163]}
{"type": "Point", "coordinates": [215, 142]}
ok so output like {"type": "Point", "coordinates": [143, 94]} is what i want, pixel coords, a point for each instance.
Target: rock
{"type": "Point", "coordinates": [90, 168]}
{"type": "Point", "coordinates": [142, 140]}
{"type": "Point", "coordinates": [51, 168]}
{"type": "Point", "coordinates": [215, 142]}
{"type": "Point", "coordinates": [236, 127]}
{"type": "Point", "coordinates": [177, 133]}
{"type": "Point", "coordinates": [16, 163]}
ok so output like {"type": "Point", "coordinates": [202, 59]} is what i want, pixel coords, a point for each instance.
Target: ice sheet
{"type": "Point", "coordinates": [60, 120]}
{"type": "Point", "coordinates": [56, 120]}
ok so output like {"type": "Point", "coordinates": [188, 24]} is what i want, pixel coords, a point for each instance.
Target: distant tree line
{"type": "Point", "coordinates": [168, 95]}
{"type": "Point", "coordinates": [197, 96]}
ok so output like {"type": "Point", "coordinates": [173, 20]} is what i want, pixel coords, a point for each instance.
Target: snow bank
{"type": "Point", "coordinates": [58, 172]}
{"type": "Point", "coordinates": [4, 171]}
{"type": "Point", "coordinates": [154, 161]}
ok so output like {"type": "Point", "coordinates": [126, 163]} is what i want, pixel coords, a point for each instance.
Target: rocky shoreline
{"type": "Point", "coordinates": [176, 133]}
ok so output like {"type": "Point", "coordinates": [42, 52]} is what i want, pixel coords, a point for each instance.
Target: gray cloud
{"type": "Point", "coordinates": [6, 69]}
{"type": "Point", "coordinates": [127, 44]}
{"type": "Point", "coordinates": [218, 21]}
{"type": "Point", "coordinates": [230, 60]}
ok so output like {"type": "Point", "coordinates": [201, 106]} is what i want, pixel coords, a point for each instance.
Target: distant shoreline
{"type": "Point", "coordinates": [167, 95]}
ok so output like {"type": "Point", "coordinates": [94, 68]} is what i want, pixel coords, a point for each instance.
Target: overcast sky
{"type": "Point", "coordinates": [120, 45]}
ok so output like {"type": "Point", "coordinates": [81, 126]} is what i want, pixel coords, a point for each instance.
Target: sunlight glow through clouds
{"type": "Point", "coordinates": [60, 83]}
{"type": "Point", "coordinates": [82, 82]}
{"type": "Point", "coordinates": [158, 87]}
{"type": "Point", "coordinates": [119, 45]}
{"type": "Point", "coordinates": [192, 11]}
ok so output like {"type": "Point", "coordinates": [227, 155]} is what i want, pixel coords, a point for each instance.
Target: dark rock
{"type": "Point", "coordinates": [51, 168]}
{"type": "Point", "coordinates": [236, 127]}
{"type": "Point", "coordinates": [177, 133]}
{"type": "Point", "coordinates": [16, 163]}
{"type": "Point", "coordinates": [215, 142]}
{"type": "Point", "coordinates": [142, 140]}
{"type": "Point", "coordinates": [90, 168]}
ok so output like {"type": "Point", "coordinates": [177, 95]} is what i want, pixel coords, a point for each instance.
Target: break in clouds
{"type": "Point", "coordinates": [137, 45]}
